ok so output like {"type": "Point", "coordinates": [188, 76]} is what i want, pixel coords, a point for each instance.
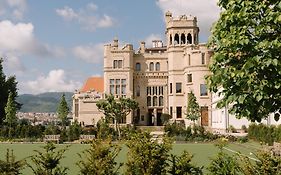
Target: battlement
{"type": "Point", "coordinates": [115, 46]}
{"type": "Point", "coordinates": [180, 21]}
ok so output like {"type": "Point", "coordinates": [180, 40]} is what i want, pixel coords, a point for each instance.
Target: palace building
{"type": "Point", "coordinates": [158, 78]}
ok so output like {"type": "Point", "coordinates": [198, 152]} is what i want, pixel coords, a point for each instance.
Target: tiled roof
{"type": "Point", "coordinates": [93, 83]}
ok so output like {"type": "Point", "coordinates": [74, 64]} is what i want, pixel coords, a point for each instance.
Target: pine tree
{"type": "Point", "coordinates": [10, 111]}
{"type": "Point", "coordinates": [7, 85]}
{"type": "Point", "coordinates": [193, 109]}
{"type": "Point", "coordinates": [63, 111]}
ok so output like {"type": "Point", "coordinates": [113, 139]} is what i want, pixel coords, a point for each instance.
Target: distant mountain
{"type": "Point", "coordinates": [45, 102]}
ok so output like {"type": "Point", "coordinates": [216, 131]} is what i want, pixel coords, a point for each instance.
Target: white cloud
{"type": "Point", "coordinates": [67, 13]}
{"type": "Point", "coordinates": [13, 62]}
{"type": "Point", "coordinates": [19, 39]}
{"type": "Point", "coordinates": [148, 40]}
{"type": "Point", "coordinates": [13, 8]}
{"type": "Point", "coordinates": [92, 6]}
{"type": "Point", "coordinates": [206, 11]}
{"type": "Point", "coordinates": [55, 81]}
{"type": "Point", "coordinates": [89, 53]}
{"type": "Point", "coordinates": [86, 17]}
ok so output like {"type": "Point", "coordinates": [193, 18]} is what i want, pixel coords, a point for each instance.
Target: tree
{"type": "Point", "coordinates": [145, 156]}
{"type": "Point", "coordinates": [74, 131]}
{"type": "Point", "coordinates": [181, 165]}
{"type": "Point", "coordinates": [99, 159]}
{"type": "Point", "coordinates": [47, 162]}
{"type": "Point", "coordinates": [223, 163]}
{"type": "Point", "coordinates": [63, 111]}
{"type": "Point", "coordinates": [7, 85]}
{"type": "Point", "coordinates": [11, 166]}
{"type": "Point", "coordinates": [10, 111]}
{"type": "Point", "coordinates": [246, 62]}
{"type": "Point", "coordinates": [116, 109]}
{"type": "Point", "coordinates": [193, 109]}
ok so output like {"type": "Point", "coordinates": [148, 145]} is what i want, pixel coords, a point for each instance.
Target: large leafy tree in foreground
{"type": "Point", "coordinates": [6, 85]}
{"type": "Point", "coordinates": [247, 61]}
{"type": "Point", "coordinates": [116, 109]}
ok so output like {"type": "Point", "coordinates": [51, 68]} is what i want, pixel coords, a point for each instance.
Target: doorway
{"type": "Point", "coordinates": [204, 116]}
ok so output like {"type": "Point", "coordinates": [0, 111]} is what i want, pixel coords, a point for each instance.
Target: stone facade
{"type": "Point", "coordinates": [160, 78]}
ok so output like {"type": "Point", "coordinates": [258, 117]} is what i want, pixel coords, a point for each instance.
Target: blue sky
{"type": "Point", "coordinates": [55, 45]}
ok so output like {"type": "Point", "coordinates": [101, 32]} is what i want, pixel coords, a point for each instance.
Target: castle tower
{"type": "Point", "coordinates": [118, 71]}
{"type": "Point", "coordinates": [182, 30]}
{"type": "Point", "coordinates": [187, 64]}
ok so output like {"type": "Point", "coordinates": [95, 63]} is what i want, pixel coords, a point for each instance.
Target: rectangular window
{"type": "Point", "coordinates": [178, 88]}
{"type": "Point", "coordinates": [171, 88]}
{"type": "Point", "coordinates": [142, 117]}
{"type": "Point", "coordinates": [123, 90]}
{"type": "Point", "coordinates": [120, 63]}
{"type": "Point", "coordinates": [117, 81]}
{"type": "Point", "coordinates": [203, 90]}
{"type": "Point", "coordinates": [189, 78]}
{"type": "Point", "coordinates": [111, 81]}
{"type": "Point", "coordinates": [203, 58]}
{"type": "Point", "coordinates": [115, 64]}
{"type": "Point", "coordinates": [178, 112]}
{"type": "Point", "coordinates": [171, 110]}
{"type": "Point", "coordinates": [111, 89]}
{"type": "Point", "coordinates": [123, 81]}
{"type": "Point", "coordinates": [189, 60]}
{"type": "Point", "coordinates": [117, 89]}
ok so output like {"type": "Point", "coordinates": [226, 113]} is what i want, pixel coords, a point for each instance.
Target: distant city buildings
{"type": "Point", "coordinates": [38, 118]}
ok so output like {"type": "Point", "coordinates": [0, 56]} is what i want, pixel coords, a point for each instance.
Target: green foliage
{"type": "Point", "coordinates": [74, 131]}
{"type": "Point", "coordinates": [263, 133]}
{"type": "Point", "coordinates": [232, 129]}
{"type": "Point", "coordinates": [10, 111]}
{"type": "Point", "coordinates": [47, 162]}
{"type": "Point", "coordinates": [181, 165]}
{"type": "Point", "coordinates": [63, 111]}
{"type": "Point", "coordinates": [99, 159]}
{"type": "Point", "coordinates": [11, 166]}
{"type": "Point", "coordinates": [267, 163]}
{"type": "Point", "coordinates": [191, 133]}
{"type": "Point", "coordinates": [165, 118]}
{"type": "Point", "coordinates": [223, 163]}
{"type": "Point", "coordinates": [116, 109]}
{"type": "Point", "coordinates": [7, 85]}
{"type": "Point", "coordinates": [145, 156]}
{"type": "Point", "coordinates": [246, 62]}
{"type": "Point", "coordinates": [193, 109]}
{"type": "Point", "coordinates": [104, 131]}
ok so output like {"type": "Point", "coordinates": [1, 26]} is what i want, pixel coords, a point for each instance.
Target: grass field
{"type": "Point", "coordinates": [202, 152]}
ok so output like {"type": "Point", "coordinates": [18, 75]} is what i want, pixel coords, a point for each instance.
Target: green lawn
{"type": "Point", "coordinates": [201, 151]}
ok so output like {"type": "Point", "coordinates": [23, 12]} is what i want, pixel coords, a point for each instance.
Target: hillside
{"type": "Point", "coordinates": [45, 102]}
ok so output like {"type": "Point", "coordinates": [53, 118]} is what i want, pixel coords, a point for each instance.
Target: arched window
{"type": "Point", "coordinates": [157, 66]}
{"type": "Point", "coordinates": [154, 101]}
{"type": "Point", "coordinates": [171, 39]}
{"type": "Point", "coordinates": [148, 101]}
{"type": "Point", "coordinates": [177, 39]}
{"type": "Point", "coordinates": [138, 66]}
{"type": "Point", "coordinates": [161, 101]}
{"type": "Point", "coordinates": [151, 66]}
{"type": "Point", "coordinates": [189, 39]}
{"type": "Point", "coordinates": [183, 38]}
